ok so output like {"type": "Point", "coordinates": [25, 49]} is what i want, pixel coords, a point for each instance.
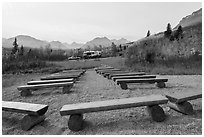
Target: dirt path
{"type": "Point", "coordinates": [94, 87]}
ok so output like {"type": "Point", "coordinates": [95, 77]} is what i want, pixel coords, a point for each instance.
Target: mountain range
{"type": "Point", "coordinates": [28, 41]}
{"type": "Point", "coordinates": [104, 42]}
{"type": "Point", "coordinates": [31, 42]}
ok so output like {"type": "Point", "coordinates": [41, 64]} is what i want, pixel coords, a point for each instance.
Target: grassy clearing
{"type": "Point", "coordinates": [174, 66]}
{"type": "Point", "coordinates": [116, 62]}
{"type": "Point", "coordinates": [191, 66]}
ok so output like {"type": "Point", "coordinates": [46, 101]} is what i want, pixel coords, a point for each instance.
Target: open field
{"type": "Point", "coordinates": [93, 87]}
{"type": "Point", "coordinates": [168, 68]}
{"type": "Point", "coordinates": [116, 62]}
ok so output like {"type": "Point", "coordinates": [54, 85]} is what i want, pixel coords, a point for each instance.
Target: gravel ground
{"type": "Point", "coordinates": [94, 87]}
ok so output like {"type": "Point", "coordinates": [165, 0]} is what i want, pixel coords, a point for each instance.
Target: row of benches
{"type": "Point", "coordinates": [122, 78]}
{"type": "Point", "coordinates": [65, 79]}
{"type": "Point", "coordinates": [178, 102]}
{"type": "Point", "coordinates": [35, 112]}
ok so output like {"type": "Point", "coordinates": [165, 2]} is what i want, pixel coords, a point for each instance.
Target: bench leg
{"type": "Point", "coordinates": [184, 107]}
{"type": "Point", "coordinates": [123, 85]}
{"type": "Point", "coordinates": [66, 89]}
{"type": "Point", "coordinates": [29, 121]}
{"type": "Point", "coordinates": [25, 93]}
{"type": "Point", "coordinates": [75, 122]}
{"type": "Point", "coordinates": [161, 85]}
{"type": "Point", "coordinates": [156, 112]}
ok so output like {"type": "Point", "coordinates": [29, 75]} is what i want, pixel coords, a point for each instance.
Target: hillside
{"type": "Point", "coordinates": [190, 20]}
{"type": "Point", "coordinates": [164, 48]}
{"type": "Point", "coordinates": [26, 41]}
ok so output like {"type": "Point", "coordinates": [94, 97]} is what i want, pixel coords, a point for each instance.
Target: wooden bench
{"type": "Point", "coordinates": [159, 81]}
{"type": "Point", "coordinates": [179, 101]}
{"type": "Point", "coordinates": [133, 77]}
{"type": "Point", "coordinates": [26, 89]}
{"type": "Point", "coordinates": [100, 68]}
{"type": "Point", "coordinates": [76, 111]}
{"type": "Point", "coordinates": [34, 112]}
{"type": "Point", "coordinates": [127, 74]}
{"type": "Point", "coordinates": [54, 77]}
{"type": "Point", "coordinates": [49, 81]}
{"type": "Point", "coordinates": [79, 72]}
{"type": "Point", "coordinates": [104, 69]}
{"type": "Point", "coordinates": [107, 74]}
{"type": "Point", "coordinates": [67, 73]}
{"type": "Point", "coordinates": [108, 71]}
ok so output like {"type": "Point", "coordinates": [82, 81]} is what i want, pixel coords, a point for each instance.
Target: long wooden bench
{"type": "Point", "coordinates": [67, 73]}
{"type": "Point", "coordinates": [159, 81]}
{"type": "Point", "coordinates": [26, 89]}
{"type": "Point", "coordinates": [107, 74]}
{"type": "Point", "coordinates": [179, 101]}
{"type": "Point", "coordinates": [97, 71]}
{"type": "Point", "coordinates": [133, 77]}
{"type": "Point", "coordinates": [81, 72]}
{"type": "Point", "coordinates": [76, 111]}
{"type": "Point", "coordinates": [54, 77]}
{"type": "Point", "coordinates": [126, 74]}
{"type": "Point", "coordinates": [34, 112]}
{"type": "Point", "coordinates": [49, 81]}
{"type": "Point", "coordinates": [100, 68]}
{"type": "Point", "coordinates": [109, 70]}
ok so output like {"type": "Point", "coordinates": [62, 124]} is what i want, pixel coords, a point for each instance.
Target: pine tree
{"type": "Point", "coordinates": [120, 47]}
{"type": "Point", "coordinates": [179, 33]}
{"type": "Point", "coordinates": [15, 47]}
{"type": "Point", "coordinates": [113, 49]}
{"type": "Point", "coordinates": [168, 31]}
{"type": "Point", "coordinates": [22, 50]}
{"type": "Point", "coordinates": [148, 33]}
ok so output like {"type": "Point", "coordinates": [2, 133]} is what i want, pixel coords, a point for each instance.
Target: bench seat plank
{"type": "Point", "coordinates": [73, 72]}
{"type": "Point", "coordinates": [112, 104]}
{"type": "Point", "coordinates": [181, 97]}
{"type": "Point", "coordinates": [49, 81]}
{"type": "Point", "coordinates": [116, 72]}
{"type": "Point", "coordinates": [53, 77]}
{"type": "Point", "coordinates": [133, 77]}
{"type": "Point", "coordinates": [66, 74]}
{"type": "Point", "coordinates": [106, 71]}
{"type": "Point", "coordinates": [128, 74]}
{"type": "Point", "coordinates": [151, 80]}
{"type": "Point", "coordinates": [45, 85]}
{"type": "Point", "coordinates": [80, 71]}
{"type": "Point", "coordinates": [109, 69]}
{"type": "Point", "coordinates": [102, 68]}
{"type": "Point", "coordinates": [26, 108]}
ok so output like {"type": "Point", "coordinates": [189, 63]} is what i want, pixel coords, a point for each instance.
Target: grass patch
{"type": "Point", "coordinates": [172, 66]}
{"type": "Point", "coordinates": [22, 65]}
{"type": "Point", "coordinates": [116, 62]}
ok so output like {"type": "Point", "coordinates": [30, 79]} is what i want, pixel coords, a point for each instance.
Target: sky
{"type": "Point", "coordinates": [83, 21]}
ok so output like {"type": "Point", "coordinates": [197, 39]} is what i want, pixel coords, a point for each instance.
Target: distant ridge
{"type": "Point", "coordinates": [104, 42]}
{"type": "Point", "coordinates": [190, 20]}
{"type": "Point", "coordinates": [31, 42]}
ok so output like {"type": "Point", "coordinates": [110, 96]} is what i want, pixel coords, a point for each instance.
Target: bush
{"type": "Point", "coordinates": [16, 65]}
